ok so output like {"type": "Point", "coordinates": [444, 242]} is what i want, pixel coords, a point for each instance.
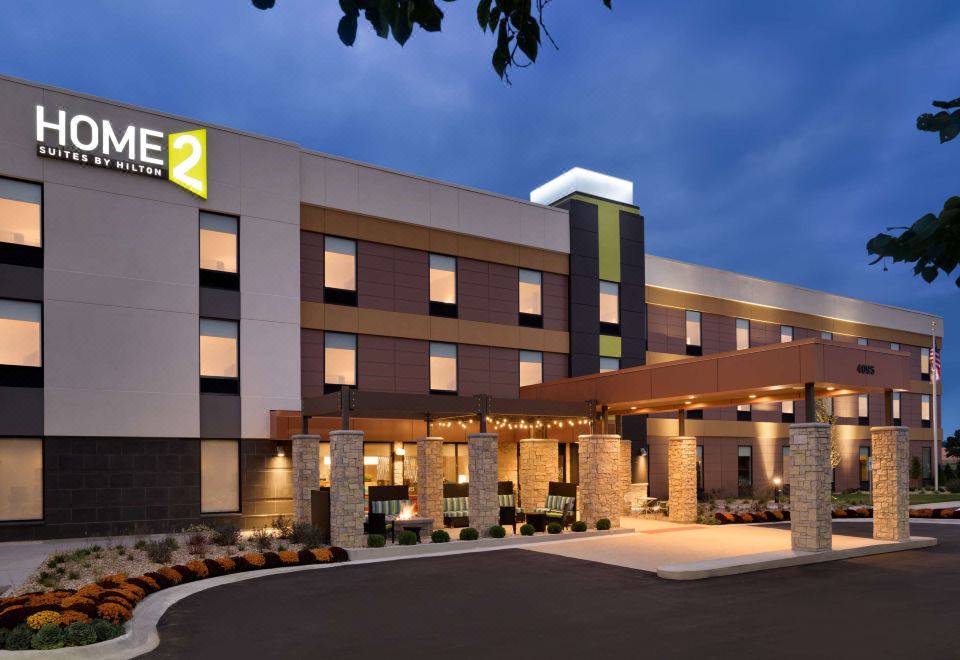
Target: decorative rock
{"type": "Point", "coordinates": [482, 465]}
{"type": "Point", "coordinates": [306, 474]}
{"type": "Point", "coordinates": [346, 488]}
{"type": "Point", "coordinates": [538, 467]}
{"type": "Point", "coordinates": [810, 479]}
{"type": "Point", "coordinates": [890, 453]}
{"type": "Point", "coordinates": [601, 481]}
{"type": "Point", "coordinates": [682, 479]}
{"type": "Point", "coordinates": [430, 479]}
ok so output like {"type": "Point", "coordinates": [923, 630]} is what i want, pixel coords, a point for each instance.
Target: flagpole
{"type": "Point", "coordinates": [935, 376]}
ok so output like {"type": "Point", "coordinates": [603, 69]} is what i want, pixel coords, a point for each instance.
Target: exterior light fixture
{"type": "Point", "coordinates": [633, 407]}
{"type": "Point", "coordinates": [400, 451]}
{"type": "Point", "coordinates": [687, 403]}
{"type": "Point", "coordinates": [281, 452]}
{"type": "Point", "coordinates": [753, 396]}
{"type": "Point", "coordinates": [830, 389]}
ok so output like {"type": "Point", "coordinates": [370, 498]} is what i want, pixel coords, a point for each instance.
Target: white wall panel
{"type": "Point", "coordinates": [269, 373]}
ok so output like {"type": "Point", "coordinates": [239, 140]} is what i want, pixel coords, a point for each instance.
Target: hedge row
{"type": "Point", "coordinates": [859, 512]}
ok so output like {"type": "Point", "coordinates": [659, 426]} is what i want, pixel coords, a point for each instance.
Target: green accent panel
{"type": "Point", "coordinates": [610, 346]}
{"type": "Point", "coordinates": [609, 231]}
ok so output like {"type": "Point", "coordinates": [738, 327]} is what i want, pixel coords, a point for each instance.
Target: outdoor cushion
{"type": "Point", "coordinates": [557, 502]}
{"type": "Point", "coordinates": [456, 506]}
{"type": "Point", "coordinates": [389, 507]}
{"type": "Point", "coordinates": [506, 500]}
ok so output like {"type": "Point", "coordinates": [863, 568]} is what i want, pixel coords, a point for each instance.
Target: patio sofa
{"type": "Point", "coordinates": [561, 503]}
{"type": "Point", "coordinates": [385, 501]}
{"type": "Point", "coordinates": [456, 505]}
{"type": "Point", "coordinates": [508, 505]}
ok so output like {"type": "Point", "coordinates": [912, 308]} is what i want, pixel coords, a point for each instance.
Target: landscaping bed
{"type": "Point", "coordinates": [725, 518]}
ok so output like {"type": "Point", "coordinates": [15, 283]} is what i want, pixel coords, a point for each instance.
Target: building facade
{"type": "Point", "coordinates": [170, 291]}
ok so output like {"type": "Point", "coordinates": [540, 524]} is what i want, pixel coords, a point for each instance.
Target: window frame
{"type": "Point", "coordinates": [526, 319]}
{"type": "Point", "coordinates": [788, 417]}
{"type": "Point", "coordinates": [601, 369]}
{"type": "Point", "coordinates": [219, 385]}
{"type": "Point", "coordinates": [897, 413]}
{"type": "Point", "coordinates": [336, 387]}
{"type": "Point", "coordinates": [925, 399]}
{"type": "Point", "coordinates": [218, 279]}
{"type": "Point", "coordinates": [697, 348]}
{"type": "Point", "coordinates": [924, 363]}
{"type": "Point", "coordinates": [607, 327]}
{"type": "Point", "coordinates": [791, 334]}
{"type": "Point", "coordinates": [456, 367]}
{"type": "Point", "coordinates": [863, 420]}
{"type": "Point", "coordinates": [335, 295]}
{"type": "Point", "coordinates": [18, 375]}
{"type": "Point", "coordinates": [738, 327]}
{"type": "Point", "coordinates": [521, 361]}
{"type": "Point", "coordinates": [439, 308]}
{"type": "Point", "coordinates": [15, 254]}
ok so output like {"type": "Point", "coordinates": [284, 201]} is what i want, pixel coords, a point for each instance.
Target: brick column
{"type": "Point", "coordinates": [890, 453]}
{"type": "Point", "coordinates": [430, 479]}
{"type": "Point", "coordinates": [601, 494]}
{"type": "Point", "coordinates": [626, 473]}
{"type": "Point", "coordinates": [810, 479]}
{"type": "Point", "coordinates": [682, 479]}
{"type": "Point", "coordinates": [306, 474]}
{"type": "Point", "coordinates": [346, 488]}
{"type": "Point", "coordinates": [482, 465]}
{"type": "Point", "coordinates": [538, 466]}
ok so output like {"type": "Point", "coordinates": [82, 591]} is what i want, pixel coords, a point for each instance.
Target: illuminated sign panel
{"type": "Point", "coordinates": [181, 157]}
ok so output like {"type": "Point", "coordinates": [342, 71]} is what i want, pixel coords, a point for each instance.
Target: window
{"type": "Point", "coordinates": [218, 251]}
{"type": "Point", "coordinates": [894, 346]}
{"type": "Point", "coordinates": [609, 364]}
{"type": "Point", "coordinates": [863, 459]}
{"type": "Point", "coordinates": [861, 341]}
{"type": "Point", "coordinates": [925, 411]}
{"type": "Point", "coordinates": [21, 241]}
{"type": "Point", "coordinates": [787, 414]}
{"type": "Point", "coordinates": [378, 463]}
{"type": "Point", "coordinates": [219, 357]}
{"type": "Point", "coordinates": [743, 413]}
{"type": "Point", "coordinates": [896, 409]}
{"type": "Point", "coordinates": [455, 463]}
{"type": "Point", "coordinates": [695, 414]}
{"type": "Point", "coordinates": [21, 353]}
{"type": "Point", "coordinates": [863, 410]}
{"type": "Point", "coordinates": [743, 334]}
{"type": "Point", "coordinates": [21, 479]}
{"type": "Point", "coordinates": [609, 308]}
{"type": "Point", "coordinates": [786, 333]}
{"type": "Point", "coordinates": [443, 368]}
{"type": "Point", "coordinates": [219, 476]}
{"type": "Point", "coordinates": [443, 286]}
{"type": "Point", "coordinates": [693, 333]}
{"type": "Point", "coordinates": [531, 368]}
{"type": "Point", "coordinates": [826, 335]}
{"type": "Point", "coordinates": [339, 271]}
{"type": "Point", "coordinates": [785, 459]}
{"type": "Point", "coordinates": [339, 360]}
{"type": "Point", "coordinates": [699, 468]}
{"type": "Point", "coordinates": [925, 363]}
{"type": "Point", "coordinates": [744, 471]}
{"type": "Point", "coordinates": [531, 298]}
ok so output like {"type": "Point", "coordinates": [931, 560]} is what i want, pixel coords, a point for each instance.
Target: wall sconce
{"type": "Point", "coordinates": [400, 451]}
{"type": "Point", "coordinates": [281, 452]}
{"type": "Point", "coordinates": [643, 452]}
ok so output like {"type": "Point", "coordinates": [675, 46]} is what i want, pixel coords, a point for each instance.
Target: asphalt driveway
{"type": "Point", "coordinates": [514, 603]}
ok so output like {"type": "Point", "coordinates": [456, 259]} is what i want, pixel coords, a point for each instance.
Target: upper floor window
{"type": "Point", "coordinates": [786, 333]}
{"type": "Point", "coordinates": [219, 356]}
{"type": "Point", "coordinates": [787, 411]}
{"type": "Point", "coordinates": [826, 335]}
{"type": "Point", "coordinates": [20, 333]}
{"type": "Point", "coordinates": [339, 360]}
{"type": "Point", "coordinates": [743, 334]}
{"type": "Point", "coordinates": [609, 364]}
{"type": "Point", "coordinates": [609, 308]}
{"type": "Point", "coordinates": [693, 333]}
{"type": "Point", "coordinates": [531, 368]}
{"type": "Point", "coordinates": [861, 341]}
{"type": "Point", "coordinates": [218, 251]}
{"type": "Point", "coordinates": [443, 368]}
{"type": "Point", "coordinates": [925, 363]}
{"type": "Point", "coordinates": [863, 409]}
{"type": "Point", "coordinates": [896, 408]}
{"type": "Point", "coordinates": [21, 237]}
{"type": "Point", "coordinates": [925, 411]}
{"type": "Point", "coordinates": [531, 298]}
{"type": "Point", "coordinates": [894, 346]}
{"type": "Point", "coordinates": [443, 286]}
{"type": "Point", "coordinates": [339, 271]}
{"type": "Point", "coordinates": [744, 413]}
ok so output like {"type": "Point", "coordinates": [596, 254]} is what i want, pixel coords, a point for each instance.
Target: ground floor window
{"type": "Point", "coordinates": [219, 476]}
{"type": "Point", "coordinates": [864, 460]}
{"type": "Point", "coordinates": [21, 479]}
{"type": "Point", "coordinates": [744, 471]}
{"type": "Point", "coordinates": [926, 463]}
{"type": "Point", "coordinates": [455, 463]}
{"type": "Point", "coordinates": [377, 464]}
{"type": "Point", "coordinates": [699, 468]}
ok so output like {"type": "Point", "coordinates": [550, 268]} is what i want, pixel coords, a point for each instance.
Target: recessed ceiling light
{"type": "Point", "coordinates": [830, 389]}
{"type": "Point", "coordinates": [753, 396]}
{"type": "Point", "coordinates": [633, 407]}
{"type": "Point", "coordinates": [687, 403]}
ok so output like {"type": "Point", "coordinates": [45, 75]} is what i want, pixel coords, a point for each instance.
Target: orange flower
{"type": "Point", "coordinates": [322, 554]}
{"type": "Point", "coordinates": [39, 600]}
{"type": "Point", "coordinates": [72, 601]}
{"type": "Point", "coordinates": [90, 591]}
{"type": "Point", "coordinates": [199, 568]}
{"type": "Point", "coordinates": [116, 578]}
{"type": "Point", "coordinates": [170, 574]}
{"type": "Point", "coordinates": [227, 564]}
{"type": "Point", "coordinates": [149, 580]}
{"type": "Point", "coordinates": [255, 559]}
{"type": "Point", "coordinates": [73, 617]}
{"type": "Point", "coordinates": [289, 557]}
{"type": "Point", "coordinates": [134, 591]}
{"type": "Point", "coordinates": [40, 619]}
{"type": "Point", "coordinates": [114, 613]}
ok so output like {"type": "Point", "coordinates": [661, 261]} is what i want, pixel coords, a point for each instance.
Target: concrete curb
{"type": "Point", "coordinates": [781, 559]}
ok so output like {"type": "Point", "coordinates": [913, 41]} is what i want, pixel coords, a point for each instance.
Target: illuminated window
{"type": "Point", "coordinates": [693, 333]}
{"type": "Point", "coordinates": [456, 462]}
{"type": "Point", "coordinates": [925, 363]}
{"type": "Point", "coordinates": [219, 476]}
{"type": "Point", "coordinates": [896, 408]}
{"type": "Point", "coordinates": [787, 411]}
{"type": "Point", "coordinates": [861, 341]}
{"type": "Point", "coordinates": [786, 333]}
{"type": "Point", "coordinates": [609, 364]}
{"type": "Point", "coordinates": [531, 368]}
{"type": "Point", "coordinates": [21, 479]}
{"type": "Point", "coordinates": [339, 360]}
{"type": "Point", "coordinates": [218, 251]}
{"type": "Point", "coordinates": [531, 298]}
{"type": "Point", "coordinates": [609, 308]}
{"type": "Point", "coordinates": [339, 271]}
{"type": "Point", "coordinates": [925, 410]}
{"type": "Point", "coordinates": [443, 286]}
{"type": "Point", "coordinates": [20, 333]}
{"type": "Point", "coordinates": [826, 335]}
{"type": "Point", "coordinates": [219, 356]}
{"type": "Point", "coordinates": [744, 471]}
{"type": "Point", "coordinates": [20, 234]}
{"type": "Point", "coordinates": [743, 334]}
{"type": "Point", "coordinates": [443, 367]}
{"type": "Point", "coordinates": [744, 413]}
{"type": "Point", "coordinates": [894, 346]}
{"type": "Point", "coordinates": [863, 409]}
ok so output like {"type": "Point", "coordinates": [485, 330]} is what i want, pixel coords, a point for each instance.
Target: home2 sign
{"type": "Point", "coordinates": [179, 157]}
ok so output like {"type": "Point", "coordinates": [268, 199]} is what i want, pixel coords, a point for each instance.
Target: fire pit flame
{"type": "Point", "coordinates": [406, 512]}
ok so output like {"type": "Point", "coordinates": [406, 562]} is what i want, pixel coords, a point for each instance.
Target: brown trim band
{"type": "Point", "coordinates": [361, 321]}
{"type": "Point", "coordinates": [390, 232]}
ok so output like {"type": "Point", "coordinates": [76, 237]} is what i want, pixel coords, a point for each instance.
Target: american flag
{"type": "Point", "coordinates": [935, 363]}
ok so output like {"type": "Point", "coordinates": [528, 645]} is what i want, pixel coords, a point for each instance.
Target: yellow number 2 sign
{"type": "Point", "coordinates": [188, 161]}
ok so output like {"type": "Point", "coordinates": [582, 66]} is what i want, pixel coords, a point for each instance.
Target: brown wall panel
{"type": "Point", "coordinates": [311, 362]}
{"type": "Point", "coordinates": [311, 266]}
{"type": "Point", "coordinates": [667, 329]}
{"type": "Point", "coordinates": [556, 296]}
{"type": "Point", "coordinates": [487, 292]}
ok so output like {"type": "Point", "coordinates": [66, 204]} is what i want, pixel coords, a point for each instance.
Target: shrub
{"type": "Point", "coordinates": [114, 612]}
{"type": "Point", "coordinates": [197, 545]}
{"type": "Point", "coordinates": [407, 537]}
{"type": "Point", "coordinates": [159, 552]}
{"type": "Point", "coordinates": [724, 518]}
{"type": "Point", "coordinates": [554, 528]}
{"type": "Point", "coordinates": [3, 637]}
{"type": "Point", "coordinates": [326, 555]}
{"type": "Point", "coordinates": [262, 539]}
{"type": "Point", "coordinates": [527, 530]}
{"type": "Point", "coordinates": [43, 618]}
{"type": "Point", "coordinates": [19, 638]}
{"type": "Point", "coordinates": [469, 534]}
{"type": "Point", "coordinates": [440, 536]}
{"type": "Point", "coordinates": [310, 536]}
{"type": "Point", "coordinates": [497, 532]}
{"type": "Point", "coordinates": [603, 523]}
{"type": "Point", "coordinates": [337, 553]}
{"type": "Point", "coordinates": [225, 534]}
{"type": "Point", "coordinates": [376, 541]}
{"type": "Point", "coordinates": [284, 527]}
{"type": "Point", "coordinates": [578, 526]}
{"type": "Point", "coordinates": [48, 637]}
{"type": "Point", "coordinates": [80, 634]}
{"type": "Point", "coordinates": [953, 485]}
{"type": "Point", "coordinates": [106, 630]}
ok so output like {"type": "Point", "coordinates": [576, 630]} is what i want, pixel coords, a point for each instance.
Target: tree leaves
{"type": "Point", "coordinates": [932, 243]}
{"type": "Point", "coordinates": [947, 124]}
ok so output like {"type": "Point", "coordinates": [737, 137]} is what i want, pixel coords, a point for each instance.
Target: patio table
{"type": "Point", "coordinates": [538, 520]}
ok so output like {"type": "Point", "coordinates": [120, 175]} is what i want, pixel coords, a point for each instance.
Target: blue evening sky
{"type": "Point", "coordinates": [769, 138]}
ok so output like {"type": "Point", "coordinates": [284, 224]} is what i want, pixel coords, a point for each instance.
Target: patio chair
{"type": "Point", "coordinates": [377, 524]}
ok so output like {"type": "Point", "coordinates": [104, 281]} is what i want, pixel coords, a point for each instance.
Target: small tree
{"type": "Point", "coordinates": [953, 444]}
{"type": "Point", "coordinates": [826, 417]}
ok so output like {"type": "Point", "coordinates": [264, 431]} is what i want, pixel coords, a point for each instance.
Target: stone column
{"type": "Point", "coordinates": [601, 494]}
{"type": "Point", "coordinates": [890, 452]}
{"type": "Point", "coordinates": [538, 466]}
{"type": "Point", "coordinates": [346, 488]}
{"type": "Point", "coordinates": [306, 474]}
{"type": "Point", "coordinates": [626, 473]}
{"type": "Point", "coordinates": [482, 465]}
{"type": "Point", "coordinates": [430, 479]}
{"type": "Point", "coordinates": [682, 479]}
{"type": "Point", "coordinates": [810, 479]}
